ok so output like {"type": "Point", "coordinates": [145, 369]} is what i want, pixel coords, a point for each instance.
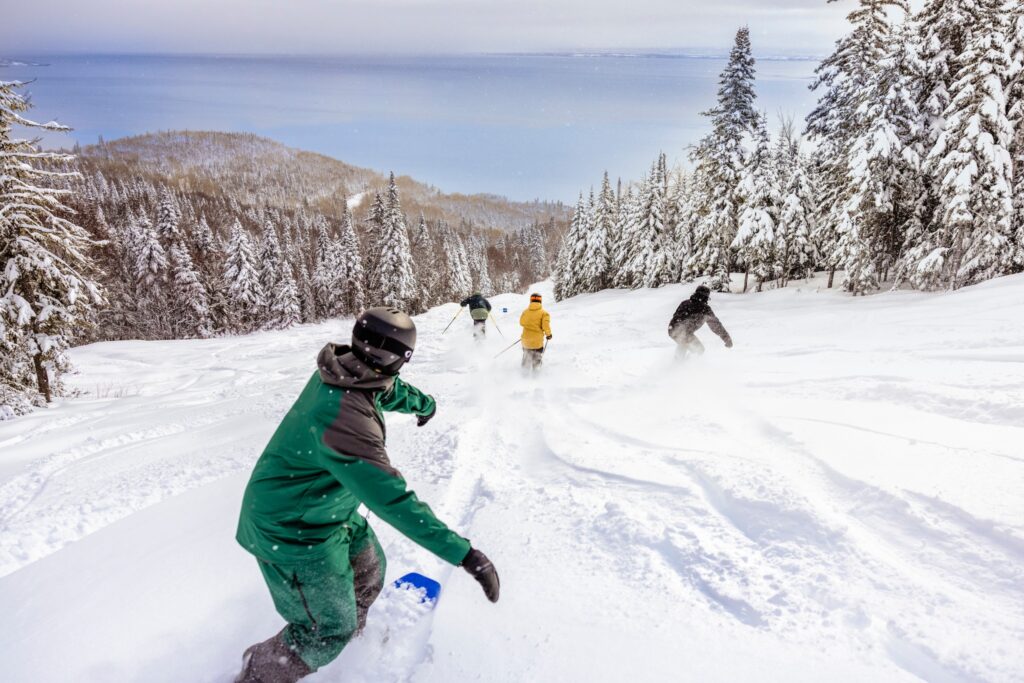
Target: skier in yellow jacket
{"type": "Point", "coordinates": [536, 323]}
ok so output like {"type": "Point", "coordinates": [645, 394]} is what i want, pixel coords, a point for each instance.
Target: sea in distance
{"type": "Point", "coordinates": [525, 126]}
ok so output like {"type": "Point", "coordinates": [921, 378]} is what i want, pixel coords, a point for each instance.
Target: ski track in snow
{"type": "Point", "coordinates": [838, 497]}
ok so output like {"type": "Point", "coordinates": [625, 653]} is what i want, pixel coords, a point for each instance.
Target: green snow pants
{"type": "Point", "coordinates": [325, 601]}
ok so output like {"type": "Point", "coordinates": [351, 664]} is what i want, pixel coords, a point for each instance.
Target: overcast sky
{"type": "Point", "coordinates": [422, 26]}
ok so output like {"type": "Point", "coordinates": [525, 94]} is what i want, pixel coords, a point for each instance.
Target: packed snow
{"type": "Point", "coordinates": [838, 497]}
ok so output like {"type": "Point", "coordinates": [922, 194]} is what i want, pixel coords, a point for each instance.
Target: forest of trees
{"type": "Point", "coordinates": [93, 254]}
{"type": "Point", "coordinates": [909, 173]}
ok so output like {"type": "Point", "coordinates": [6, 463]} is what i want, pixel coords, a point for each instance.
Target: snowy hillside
{"type": "Point", "coordinates": [836, 498]}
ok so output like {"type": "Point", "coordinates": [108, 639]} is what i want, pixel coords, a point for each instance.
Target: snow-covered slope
{"type": "Point", "coordinates": [836, 498]}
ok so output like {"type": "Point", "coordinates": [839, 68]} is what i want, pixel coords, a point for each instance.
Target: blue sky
{"type": "Point", "coordinates": [414, 26]}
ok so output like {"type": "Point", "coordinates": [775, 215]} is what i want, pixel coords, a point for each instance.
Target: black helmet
{"type": "Point", "coordinates": [384, 339]}
{"type": "Point", "coordinates": [701, 293]}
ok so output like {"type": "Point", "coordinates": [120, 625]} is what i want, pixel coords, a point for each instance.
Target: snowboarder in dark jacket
{"type": "Point", "coordinates": [689, 317]}
{"type": "Point", "coordinates": [479, 310]}
{"type": "Point", "coordinates": [319, 557]}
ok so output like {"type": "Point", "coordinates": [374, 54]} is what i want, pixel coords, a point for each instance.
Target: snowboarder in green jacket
{"type": "Point", "coordinates": [319, 557]}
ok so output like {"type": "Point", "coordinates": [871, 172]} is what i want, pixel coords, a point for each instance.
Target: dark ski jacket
{"type": "Point", "coordinates": [691, 315]}
{"type": "Point", "coordinates": [328, 456]}
{"type": "Point", "coordinates": [479, 307]}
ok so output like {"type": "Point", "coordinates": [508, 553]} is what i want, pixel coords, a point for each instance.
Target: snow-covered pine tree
{"type": "Point", "coordinates": [246, 300]}
{"type": "Point", "coordinates": [535, 254]}
{"type": "Point", "coordinates": [152, 271]}
{"type": "Point", "coordinates": [167, 215]}
{"type": "Point", "coordinates": [477, 251]}
{"type": "Point", "coordinates": [571, 279]}
{"type": "Point", "coordinates": [647, 261]}
{"type": "Point", "coordinates": [457, 281]}
{"type": "Point", "coordinates": [595, 261]}
{"type": "Point", "coordinates": [46, 291]}
{"type": "Point", "coordinates": [393, 282]}
{"type": "Point", "coordinates": [795, 250]}
{"type": "Point", "coordinates": [285, 309]}
{"type": "Point", "coordinates": [683, 238]}
{"type": "Point", "coordinates": [350, 275]}
{"type": "Point", "coordinates": [720, 160]}
{"type": "Point", "coordinates": [755, 240]}
{"type": "Point", "coordinates": [845, 78]}
{"type": "Point", "coordinates": [375, 233]}
{"type": "Point", "coordinates": [203, 244]}
{"type": "Point", "coordinates": [943, 32]}
{"type": "Point", "coordinates": [429, 269]}
{"type": "Point", "coordinates": [271, 268]}
{"type": "Point", "coordinates": [190, 305]}
{"type": "Point", "coordinates": [150, 257]}
{"type": "Point", "coordinates": [886, 194]}
{"type": "Point", "coordinates": [974, 162]}
{"type": "Point", "coordinates": [325, 265]}
{"type": "Point", "coordinates": [626, 236]}
{"type": "Point", "coordinates": [1015, 112]}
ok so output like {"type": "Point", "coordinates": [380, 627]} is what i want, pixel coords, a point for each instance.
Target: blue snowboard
{"type": "Point", "coordinates": [431, 588]}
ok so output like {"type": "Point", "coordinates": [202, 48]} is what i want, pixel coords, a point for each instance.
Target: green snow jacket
{"type": "Point", "coordinates": [328, 456]}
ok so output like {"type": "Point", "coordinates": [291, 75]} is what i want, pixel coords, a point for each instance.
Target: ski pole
{"type": "Point", "coordinates": [508, 347]}
{"type": "Point", "coordinates": [495, 321]}
{"type": "Point", "coordinates": [453, 320]}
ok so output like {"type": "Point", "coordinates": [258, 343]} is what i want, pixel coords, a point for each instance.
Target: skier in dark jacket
{"type": "Point", "coordinates": [689, 317]}
{"type": "Point", "coordinates": [319, 557]}
{"type": "Point", "coordinates": [479, 310]}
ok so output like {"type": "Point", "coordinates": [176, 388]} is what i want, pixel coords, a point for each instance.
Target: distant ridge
{"type": "Point", "coordinates": [255, 170]}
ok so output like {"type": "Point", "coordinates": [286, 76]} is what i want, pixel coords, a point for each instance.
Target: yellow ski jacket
{"type": "Point", "coordinates": [536, 324]}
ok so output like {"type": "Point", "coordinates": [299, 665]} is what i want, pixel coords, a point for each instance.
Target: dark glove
{"type": "Point", "coordinates": [549, 337]}
{"type": "Point", "coordinates": [728, 343]}
{"type": "Point", "coordinates": [481, 569]}
{"type": "Point", "coordinates": [424, 419]}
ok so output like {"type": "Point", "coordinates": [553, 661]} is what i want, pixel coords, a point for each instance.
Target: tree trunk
{"type": "Point", "coordinates": [831, 276]}
{"type": "Point", "coordinates": [42, 379]}
{"type": "Point", "coordinates": [746, 276]}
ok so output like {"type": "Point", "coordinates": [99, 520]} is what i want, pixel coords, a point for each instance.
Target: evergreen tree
{"type": "Point", "coordinates": [150, 257]}
{"type": "Point", "coordinates": [285, 309]}
{"type": "Point", "coordinates": [1015, 112]}
{"type": "Point", "coordinates": [477, 252]}
{"type": "Point", "coordinates": [191, 303]}
{"type": "Point", "coordinates": [375, 225]}
{"type": "Point", "coordinates": [271, 268]}
{"type": "Point", "coordinates": [324, 272]}
{"type": "Point", "coordinates": [393, 281]}
{"type": "Point", "coordinates": [46, 292]}
{"type": "Point", "coordinates": [595, 265]}
{"type": "Point", "coordinates": [429, 269]}
{"type": "Point", "coordinates": [627, 238]}
{"type": "Point", "coordinates": [570, 276]}
{"type": "Point", "coordinates": [886, 193]}
{"type": "Point", "coordinates": [720, 160]}
{"type": "Point", "coordinates": [457, 279]}
{"type": "Point", "coordinates": [974, 161]}
{"type": "Point", "coordinates": [647, 261]}
{"type": "Point", "coordinates": [846, 79]}
{"type": "Point", "coordinates": [246, 300]}
{"type": "Point", "coordinates": [796, 253]}
{"type": "Point", "coordinates": [755, 239]}
{"type": "Point", "coordinates": [203, 243]}
{"type": "Point", "coordinates": [167, 220]}
{"type": "Point", "coordinates": [350, 268]}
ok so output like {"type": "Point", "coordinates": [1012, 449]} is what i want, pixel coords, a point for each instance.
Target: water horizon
{"type": "Point", "coordinates": [525, 126]}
